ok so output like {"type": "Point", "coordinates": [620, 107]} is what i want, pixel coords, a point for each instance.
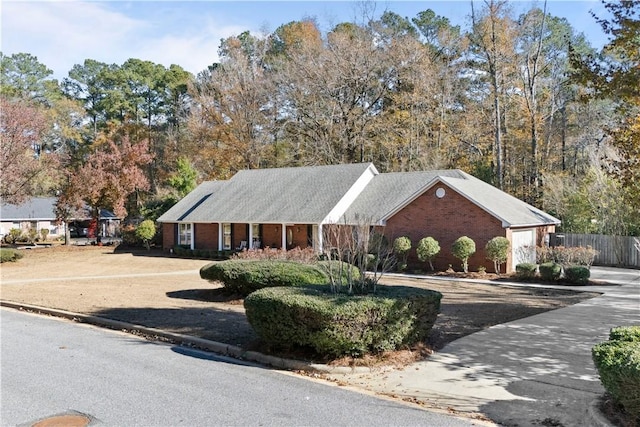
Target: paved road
{"type": "Point", "coordinates": [51, 367]}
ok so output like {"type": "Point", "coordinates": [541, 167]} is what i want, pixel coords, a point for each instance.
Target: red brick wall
{"type": "Point", "coordinates": [206, 236]}
{"type": "Point", "coordinates": [168, 235]}
{"type": "Point", "coordinates": [239, 233]}
{"type": "Point", "coordinates": [445, 220]}
{"type": "Point", "coordinates": [272, 236]}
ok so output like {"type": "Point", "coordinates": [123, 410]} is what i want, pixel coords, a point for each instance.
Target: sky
{"type": "Point", "coordinates": [62, 33]}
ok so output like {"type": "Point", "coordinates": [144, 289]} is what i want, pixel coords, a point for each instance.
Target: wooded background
{"type": "Point", "coordinates": [522, 102]}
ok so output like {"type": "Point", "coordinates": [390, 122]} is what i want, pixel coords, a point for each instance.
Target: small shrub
{"type": "Point", "coordinates": [550, 271]}
{"type": "Point", "coordinates": [13, 236]}
{"type": "Point", "coordinates": [401, 247]}
{"type": "Point", "coordinates": [625, 333]}
{"type": "Point", "coordinates": [44, 233]}
{"type": "Point", "coordinates": [9, 255]}
{"type": "Point", "coordinates": [246, 276]}
{"type": "Point", "coordinates": [336, 324]}
{"type": "Point", "coordinates": [497, 250]}
{"type": "Point", "coordinates": [526, 271]}
{"type": "Point", "coordinates": [578, 274]}
{"type": "Point", "coordinates": [146, 231]}
{"type": "Point", "coordinates": [618, 364]}
{"type": "Point", "coordinates": [462, 249]}
{"type": "Point", "coordinates": [427, 249]}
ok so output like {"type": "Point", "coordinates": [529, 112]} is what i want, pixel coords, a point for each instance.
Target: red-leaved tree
{"type": "Point", "coordinates": [110, 174]}
{"type": "Point", "coordinates": [23, 163]}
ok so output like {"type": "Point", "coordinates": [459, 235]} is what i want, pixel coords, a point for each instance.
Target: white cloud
{"type": "Point", "coordinates": [64, 33]}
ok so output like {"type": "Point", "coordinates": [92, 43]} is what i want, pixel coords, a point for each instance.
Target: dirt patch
{"type": "Point", "coordinates": [165, 292]}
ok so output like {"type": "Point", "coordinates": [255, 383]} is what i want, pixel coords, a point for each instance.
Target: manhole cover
{"type": "Point", "coordinates": [64, 421]}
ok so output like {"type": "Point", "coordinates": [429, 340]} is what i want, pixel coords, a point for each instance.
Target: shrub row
{"type": "Point", "coordinates": [566, 256]}
{"type": "Point", "coordinates": [9, 255]}
{"type": "Point", "coordinates": [551, 272]}
{"type": "Point", "coordinates": [245, 276]}
{"type": "Point", "coordinates": [336, 324]}
{"type": "Point", "coordinates": [618, 363]}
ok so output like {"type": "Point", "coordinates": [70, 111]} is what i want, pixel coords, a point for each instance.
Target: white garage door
{"type": "Point", "coordinates": [523, 244]}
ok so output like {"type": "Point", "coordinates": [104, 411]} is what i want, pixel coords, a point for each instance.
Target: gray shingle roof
{"type": "Point", "coordinates": [388, 193]}
{"type": "Point", "coordinates": [191, 201]}
{"type": "Point", "coordinates": [42, 209]}
{"type": "Point", "coordinates": [39, 208]}
{"type": "Point", "coordinates": [283, 195]}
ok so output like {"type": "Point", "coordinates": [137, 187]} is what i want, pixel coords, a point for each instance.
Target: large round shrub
{"type": "Point", "coordinates": [334, 325]}
{"type": "Point", "coordinates": [618, 363]}
{"type": "Point", "coordinates": [462, 249]}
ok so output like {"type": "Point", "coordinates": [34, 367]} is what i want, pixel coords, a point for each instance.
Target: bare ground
{"type": "Point", "coordinates": [154, 290]}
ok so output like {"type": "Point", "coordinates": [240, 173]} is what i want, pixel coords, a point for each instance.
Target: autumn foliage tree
{"type": "Point", "coordinates": [111, 173]}
{"type": "Point", "coordinates": [25, 168]}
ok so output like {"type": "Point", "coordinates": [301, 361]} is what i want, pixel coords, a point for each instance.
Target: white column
{"type": "Point", "coordinates": [284, 237]}
{"type": "Point", "coordinates": [250, 243]}
{"type": "Point", "coordinates": [220, 236]}
{"type": "Point", "coordinates": [320, 242]}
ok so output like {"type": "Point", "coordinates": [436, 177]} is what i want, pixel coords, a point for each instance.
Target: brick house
{"type": "Point", "coordinates": [289, 207]}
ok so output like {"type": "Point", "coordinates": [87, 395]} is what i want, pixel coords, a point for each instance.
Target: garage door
{"type": "Point", "coordinates": [523, 244]}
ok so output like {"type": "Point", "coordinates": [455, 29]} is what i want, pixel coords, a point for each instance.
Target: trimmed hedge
{"type": "Point", "coordinates": [526, 270]}
{"type": "Point", "coordinates": [625, 333]}
{"type": "Point", "coordinates": [335, 325]}
{"type": "Point", "coordinates": [618, 363]}
{"type": "Point", "coordinates": [578, 274]}
{"type": "Point", "coordinates": [9, 255]}
{"type": "Point", "coordinates": [246, 276]}
{"type": "Point", "coordinates": [550, 271]}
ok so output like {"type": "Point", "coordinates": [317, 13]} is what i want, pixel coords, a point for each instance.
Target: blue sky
{"type": "Point", "coordinates": [63, 33]}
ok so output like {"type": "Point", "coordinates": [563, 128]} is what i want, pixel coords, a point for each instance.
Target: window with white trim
{"type": "Point", "coordinates": [185, 233]}
{"type": "Point", "coordinates": [226, 237]}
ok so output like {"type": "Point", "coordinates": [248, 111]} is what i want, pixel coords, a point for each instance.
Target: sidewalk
{"type": "Point", "coordinates": [530, 372]}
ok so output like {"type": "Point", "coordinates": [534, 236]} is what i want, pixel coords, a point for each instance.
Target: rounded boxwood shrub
{"type": "Point", "coordinates": [625, 333]}
{"type": "Point", "coordinates": [618, 364]}
{"type": "Point", "coordinates": [246, 276]}
{"type": "Point", "coordinates": [335, 325]}
{"type": "Point", "coordinates": [526, 270]}
{"type": "Point", "coordinates": [9, 255]}
{"type": "Point", "coordinates": [550, 271]}
{"type": "Point", "coordinates": [578, 274]}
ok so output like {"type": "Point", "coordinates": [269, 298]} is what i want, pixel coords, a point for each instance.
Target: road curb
{"type": "Point", "coordinates": [188, 341]}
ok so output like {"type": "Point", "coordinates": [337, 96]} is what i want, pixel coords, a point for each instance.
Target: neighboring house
{"type": "Point", "coordinates": [40, 212]}
{"type": "Point", "coordinates": [288, 208]}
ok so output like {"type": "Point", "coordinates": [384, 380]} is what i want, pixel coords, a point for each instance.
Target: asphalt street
{"type": "Point", "coordinates": [52, 367]}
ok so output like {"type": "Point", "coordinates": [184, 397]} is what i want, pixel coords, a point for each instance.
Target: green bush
{"type": "Point", "coordinates": [578, 274]}
{"type": "Point", "coordinates": [497, 250]}
{"type": "Point", "coordinates": [625, 333]}
{"type": "Point", "coordinates": [146, 231]}
{"type": "Point", "coordinates": [550, 271]}
{"type": "Point", "coordinates": [246, 276]}
{"type": "Point", "coordinates": [427, 249]}
{"type": "Point", "coordinates": [9, 255]}
{"type": "Point", "coordinates": [526, 270]}
{"type": "Point", "coordinates": [618, 363]}
{"type": "Point", "coordinates": [334, 325]}
{"type": "Point", "coordinates": [401, 247]}
{"type": "Point", "coordinates": [462, 249]}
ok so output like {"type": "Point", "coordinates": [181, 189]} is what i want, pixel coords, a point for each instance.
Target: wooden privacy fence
{"type": "Point", "coordinates": [619, 251]}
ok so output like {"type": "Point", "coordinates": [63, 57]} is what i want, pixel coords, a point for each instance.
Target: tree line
{"type": "Point", "coordinates": [523, 102]}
